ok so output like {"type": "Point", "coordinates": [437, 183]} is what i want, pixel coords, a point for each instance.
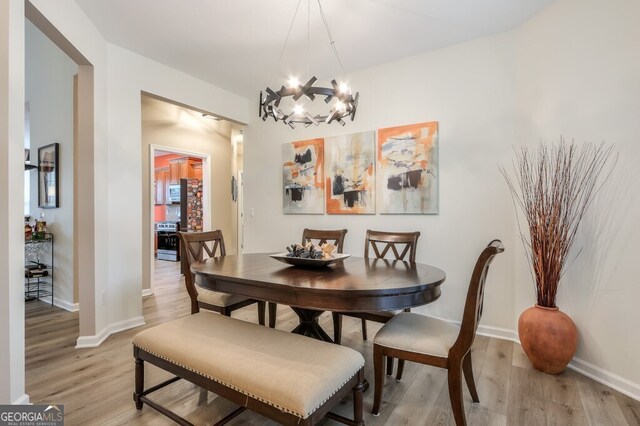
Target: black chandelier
{"type": "Point", "coordinates": [338, 98]}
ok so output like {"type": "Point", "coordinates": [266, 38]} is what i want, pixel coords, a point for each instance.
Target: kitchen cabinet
{"type": "Point", "coordinates": [184, 168]}
{"type": "Point", "coordinates": [161, 185]}
{"type": "Point", "coordinates": [179, 169]}
{"type": "Point", "coordinates": [196, 170]}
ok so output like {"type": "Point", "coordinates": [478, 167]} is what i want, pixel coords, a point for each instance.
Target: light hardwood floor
{"type": "Point", "coordinates": [96, 385]}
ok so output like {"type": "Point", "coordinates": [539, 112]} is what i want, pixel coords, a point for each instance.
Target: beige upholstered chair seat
{"type": "Point", "coordinates": [302, 373]}
{"type": "Point", "coordinates": [218, 299]}
{"type": "Point", "coordinates": [418, 333]}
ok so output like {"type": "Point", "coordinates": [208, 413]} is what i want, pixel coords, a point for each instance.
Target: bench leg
{"type": "Point", "coordinates": [358, 391]}
{"type": "Point", "coordinates": [357, 400]}
{"type": "Point", "coordinates": [139, 386]}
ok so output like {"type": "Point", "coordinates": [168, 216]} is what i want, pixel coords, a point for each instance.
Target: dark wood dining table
{"type": "Point", "coordinates": [355, 284]}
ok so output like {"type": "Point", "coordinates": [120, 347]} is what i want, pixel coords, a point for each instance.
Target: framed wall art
{"type": "Point", "coordinates": [48, 172]}
{"type": "Point", "coordinates": [408, 169]}
{"type": "Point", "coordinates": [350, 174]}
{"type": "Point", "coordinates": [303, 177]}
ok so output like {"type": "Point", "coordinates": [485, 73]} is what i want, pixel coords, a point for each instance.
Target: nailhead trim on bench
{"type": "Point", "coordinates": [283, 409]}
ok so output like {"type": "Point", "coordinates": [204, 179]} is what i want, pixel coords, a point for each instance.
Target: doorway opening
{"type": "Point", "coordinates": [59, 84]}
{"type": "Point", "coordinates": [190, 161]}
{"type": "Point", "coordinates": [180, 194]}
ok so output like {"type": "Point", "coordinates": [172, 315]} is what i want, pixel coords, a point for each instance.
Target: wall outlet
{"type": "Point", "coordinates": [252, 212]}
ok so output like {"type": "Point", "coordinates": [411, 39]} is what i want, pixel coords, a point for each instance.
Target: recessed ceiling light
{"type": "Point", "coordinates": [213, 117]}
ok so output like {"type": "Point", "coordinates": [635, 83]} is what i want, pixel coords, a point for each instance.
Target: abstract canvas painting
{"type": "Point", "coordinates": [350, 174]}
{"type": "Point", "coordinates": [408, 169]}
{"type": "Point", "coordinates": [303, 177]}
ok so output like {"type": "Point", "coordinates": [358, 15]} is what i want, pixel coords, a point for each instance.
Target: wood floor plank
{"type": "Point", "coordinates": [561, 388]}
{"type": "Point", "coordinates": [526, 401]}
{"type": "Point", "coordinates": [630, 408]}
{"type": "Point", "coordinates": [493, 384]}
{"type": "Point", "coordinates": [519, 358]}
{"type": "Point", "coordinates": [558, 414]}
{"type": "Point", "coordinates": [96, 384]}
{"type": "Point", "coordinates": [600, 405]}
{"type": "Point", "coordinates": [423, 402]}
{"type": "Point", "coordinates": [477, 415]}
{"type": "Point", "coordinates": [440, 413]}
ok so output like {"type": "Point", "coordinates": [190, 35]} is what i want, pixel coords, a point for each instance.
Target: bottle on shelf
{"type": "Point", "coordinates": [28, 230]}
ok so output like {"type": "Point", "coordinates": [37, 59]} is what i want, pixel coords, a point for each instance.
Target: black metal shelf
{"type": "Point", "coordinates": [38, 273]}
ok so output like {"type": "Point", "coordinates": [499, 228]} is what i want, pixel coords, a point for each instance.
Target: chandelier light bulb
{"type": "Point", "coordinates": [293, 82]}
{"type": "Point", "coordinates": [344, 88]}
{"type": "Point", "coordinates": [298, 110]}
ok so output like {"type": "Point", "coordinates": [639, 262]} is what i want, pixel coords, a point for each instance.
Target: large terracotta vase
{"type": "Point", "coordinates": [549, 338]}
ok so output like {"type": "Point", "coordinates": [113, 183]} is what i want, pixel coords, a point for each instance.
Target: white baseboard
{"type": "Point", "coordinates": [96, 340]}
{"type": "Point", "coordinates": [146, 292]}
{"type": "Point", "coordinates": [61, 303]}
{"type": "Point", "coordinates": [605, 377]}
{"type": "Point", "coordinates": [92, 341]}
{"type": "Point", "coordinates": [498, 333]}
{"type": "Point", "coordinates": [126, 325]}
{"type": "Point", "coordinates": [488, 331]}
{"type": "Point", "coordinates": [594, 372]}
{"type": "Point", "coordinates": [23, 400]}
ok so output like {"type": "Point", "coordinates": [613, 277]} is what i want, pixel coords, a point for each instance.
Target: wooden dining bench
{"type": "Point", "coordinates": [288, 378]}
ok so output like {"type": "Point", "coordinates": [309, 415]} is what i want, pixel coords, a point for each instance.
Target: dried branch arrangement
{"type": "Point", "coordinates": [554, 186]}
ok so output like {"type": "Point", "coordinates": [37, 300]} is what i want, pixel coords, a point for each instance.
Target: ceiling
{"type": "Point", "coordinates": [235, 44]}
{"type": "Point", "coordinates": [163, 114]}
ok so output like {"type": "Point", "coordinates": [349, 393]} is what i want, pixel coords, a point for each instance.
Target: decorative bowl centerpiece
{"type": "Point", "coordinates": [310, 255]}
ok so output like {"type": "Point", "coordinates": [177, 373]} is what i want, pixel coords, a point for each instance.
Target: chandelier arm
{"type": "Point", "coordinates": [302, 90]}
{"type": "Point", "coordinates": [320, 91]}
{"type": "Point", "coordinates": [311, 118]}
{"type": "Point", "coordinates": [355, 106]}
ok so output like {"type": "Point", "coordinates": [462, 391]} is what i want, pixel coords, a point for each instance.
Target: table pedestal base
{"type": "Point", "coordinates": [309, 324]}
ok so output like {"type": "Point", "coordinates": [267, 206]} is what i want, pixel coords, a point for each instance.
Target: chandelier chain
{"type": "Point", "coordinates": [308, 36]}
{"type": "Point", "coordinates": [332, 42]}
{"type": "Point", "coordinates": [286, 40]}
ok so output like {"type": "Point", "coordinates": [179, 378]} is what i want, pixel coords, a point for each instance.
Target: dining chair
{"type": "Point", "coordinates": [318, 237]}
{"type": "Point", "coordinates": [400, 244]}
{"type": "Point", "coordinates": [426, 340]}
{"type": "Point", "coordinates": [195, 245]}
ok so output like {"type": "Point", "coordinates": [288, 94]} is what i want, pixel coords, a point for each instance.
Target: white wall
{"type": "Point", "coordinates": [470, 90]}
{"type": "Point", "coordinates": [12, 202]}
{"type": "Point", "coordinates": [129, 74]}
{"type": "Point", "coordinates": [49, 91]}
{"type": "Point", "coordinates": [579, 76]}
